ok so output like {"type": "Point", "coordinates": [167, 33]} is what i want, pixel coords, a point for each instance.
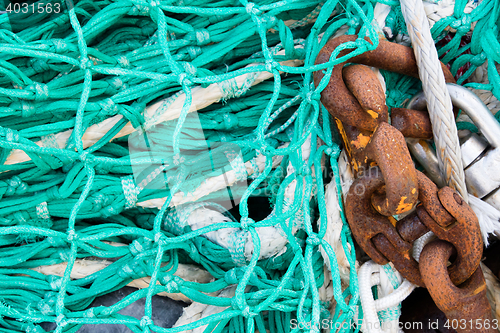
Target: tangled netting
{"type": "Point", "coordinates": [81, 87]}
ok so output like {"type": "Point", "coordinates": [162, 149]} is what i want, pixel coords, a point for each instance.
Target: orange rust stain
{"type": "Point", "coordinates": [403, 207]}
{"type": "Point", "coordinates": [361, 141]}
{"type": "Point", "coordinates": [392, 220]}
{"type": "Point", "coordinates": [372, 113]}
{"type": "Point", "coordinates": [344, 136]}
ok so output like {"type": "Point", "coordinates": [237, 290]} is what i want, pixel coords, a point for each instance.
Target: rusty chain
{"type": "Point", "coordinates": [390, 184]}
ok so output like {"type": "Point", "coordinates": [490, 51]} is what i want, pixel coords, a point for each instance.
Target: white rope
{"type": "Point", "coordinates": [436, 93]}
{"type": "Point", "coordinates": [488, 216]}
{"type": "Point", "coordinates": [197, 311]}
{"type": "Point", "coordinates": [492, 291]}
{"type": "Point", "coordinates": [334, 226]}
{"type": "Point", "coordinates": [382, 315]}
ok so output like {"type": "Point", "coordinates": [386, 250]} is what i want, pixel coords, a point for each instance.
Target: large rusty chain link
{"type": "Point", "coordinates": [388, 184]}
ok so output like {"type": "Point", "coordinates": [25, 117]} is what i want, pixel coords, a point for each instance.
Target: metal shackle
{"type": "Point", "coordinates": [481, 164]}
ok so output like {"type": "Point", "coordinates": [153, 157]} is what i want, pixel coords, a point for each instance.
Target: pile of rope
{"type": "Point", "coordinates": [134, 137]}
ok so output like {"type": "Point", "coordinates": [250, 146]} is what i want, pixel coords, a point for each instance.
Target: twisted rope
{"type": "Point", "coordinates": [438, 98]}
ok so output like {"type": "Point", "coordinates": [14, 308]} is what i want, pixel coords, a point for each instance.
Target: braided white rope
{"type": "Point", "coordinates": [436, 93]}
{"type": "Point", "coordinates": [382, 315]}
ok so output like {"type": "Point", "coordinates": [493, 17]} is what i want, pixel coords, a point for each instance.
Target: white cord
{"type": "Point", "coordinates": [382, 315]}
{"type": "Point", "coordinates": [436, 93]}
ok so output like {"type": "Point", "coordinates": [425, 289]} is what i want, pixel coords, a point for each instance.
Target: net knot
{"type": "Point", "coordinates": [16, 186]}
{"type": "Point", "coordinates": [55, 282]}
{"type": "Point", "coordinates": [478, 59]}
{"type": "Point", "coordinates": [160, 238]}
{"type": "Point", "coordinates": [202, 37]}
{"type": "Point", "coordinates": [61, 45]}
{"type": "Point", "coordinates": [41, 91]}
{"type": "Point", "coordinates": [86, 63]}
{"type": "Point", "coordinates": [183, 80]}
{"type": "Point", "coordinates": [333, 151]}
{"type": "Point", "coordinates": [146, 321]}
{"type": "Point", "coordinates": [313, 240]}
{"type": "Point", "coordinates": [61, 320]}
{"type": "Point", "coordinates": [354, 22]}
{"type": "Point", "coordinates": [123, 61]}
{"type": "Point", "coordinates": [462, 25]}
{"type": "Point", "coordinates": [304, 171]}
{"type": "Point", "coordinates": [108, 107]}
{"type": "Point", "coordinates": [271, 65]}
{"type": "Point", "coordinates": [27, 108]}
{"type": "Point", "coordinates": [172, 283]}
{"type": "Point", "coordinates": [247, 313]}
{"type": "Point", "coordinates": [131, 270]}
{"type": "Point", "coordinates": [193, 51]}
{"type": "Point", "coordinates": [86, 157]}
{"type": "Point", "coordinates": [252, 9]}
{"type": "Point", "coordinates": [72, 236]}
{"type": "Point", "coordinates": [9, 135]}
{"type": "Point", "coordinates": [139, 245]}
{"type": "Point", "coordinates": [46, 304]}
{"type": "Point", "coordinates": [246, 222]}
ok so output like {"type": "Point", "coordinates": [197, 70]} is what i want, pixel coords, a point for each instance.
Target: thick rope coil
{"type": "Point", "coordinates": [438, 98]}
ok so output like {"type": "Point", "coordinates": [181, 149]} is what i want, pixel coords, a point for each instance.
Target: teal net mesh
{"type": "Point", "coordinates": [98, 169]}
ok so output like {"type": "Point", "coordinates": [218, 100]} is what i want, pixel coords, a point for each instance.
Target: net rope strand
{"type": "Point", "coordinates": [78, 87]}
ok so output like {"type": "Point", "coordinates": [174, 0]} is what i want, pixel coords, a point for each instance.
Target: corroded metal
{"type": "Point", "coordinates": [337, 98]}
{"type": "Point", "coordinates": [375, 233]}
{"type": "Point", "coordinates": [412, 123]}
{"type": "Point", "coordinates": [387, 148]}
{"type": "Point", "coordinates": [466, 304]}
